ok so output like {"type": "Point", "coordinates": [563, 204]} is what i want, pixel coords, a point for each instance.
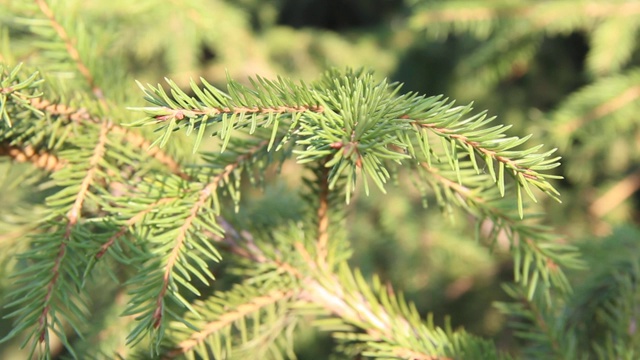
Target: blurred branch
{"type": "Point", "coordinates": [615, 195]}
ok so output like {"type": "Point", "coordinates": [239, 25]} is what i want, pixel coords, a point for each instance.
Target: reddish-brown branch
{"type": "Point", "coordinates": [155, 152]}
{"type": "Point", "coordinates": [44, 316]}
{"type": "Point", "coordinates": [42, 160]}
{"type": "Point", "coordinates": [72, 50]}
{"type": "Point", "coordinates": [180, 114]}
{"type": "Point", "coordinates": [62, 110]}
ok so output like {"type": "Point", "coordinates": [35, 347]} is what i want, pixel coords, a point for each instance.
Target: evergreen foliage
{"type": "Point", "coordinates": [165, 229]}
{"type": "Point", "coordinates": [586, 124]}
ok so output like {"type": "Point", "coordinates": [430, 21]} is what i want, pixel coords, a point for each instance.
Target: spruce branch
{"type": "Point", "coordinates": [356, 123]}
{"type": "Point", "coordinates": [245, 302]}
{"type": "Point", "coordinates": [530, 242]}
{"type": "Point", "coordinates": [91, 174]}
{"type": "Point", "coordinates": [24, 107]}
{"type": "Point", "coordinates": [42, 160]}
{"type": "Point", "coordinates": [491, 145]}
{"type": "Point", "coordinates": [390, 327]}
{"type": "Point", "coordinates": [158, 228]}
{"type": "Point", "coordinates": [177, 252]}
{"type": "Point", "coordinates": [124, 229]}
{"type": "Point", "coordinates": [322, 242]}
{"type": "Point", "coordinates": [15, 91]}
{"type": "Point", "coordinates": [61, 270]}
{"type": "Point", "coordinates": [535, 320]}
{"type": "Point", "coordinates": [537, 15]}
{"type": "Point", "coordinates": [72, 50]}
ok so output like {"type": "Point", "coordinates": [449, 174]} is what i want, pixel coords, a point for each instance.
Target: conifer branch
{"type": "Point", "coordinates": [353, 307]}
{"type": "Point", "coordinates": [524, 237]}
{"type": "Point", "coordinates": [43, 160]}
{"type": "Point", "coordinates": [167, 113]}
{"type": "Point", "coordinates": [156, 230]}
{"type": "Point", "coordinates": [614, 104]}
{"type": "Point", "coordinates": [139, 141]}
{"type": "Point", "coordinates": [617, 194]}
{"type": "Point", "coordinates": [62, 110]}
{"type": "Point", "coordinates": [72, 51]}
{"type": "Point", "coordinates": [75, 212]}
{"type": "Point", "coordinates": [124, 229]}
{"type": "Point", "coordinates": [542, 15]}
{"type": "Point", "coordinates": [230, 316]}
{"type": "Point", "coordinates": [12, 93]}
{"type": "Point", "coordinates": [72, 218]}
{"type": "Point", "coordinates": [522, 165]}
{"type": "Point", "coordinates": [209, 190]}
{"type": "Point", "coordinates": [533, 319]}
{"type": "Point", "coordinates": [322, 242]}
{"type": "Point", "coordinates": [136, 140]}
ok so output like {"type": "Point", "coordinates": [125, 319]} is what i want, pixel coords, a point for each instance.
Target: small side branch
{"type": "Point", "coordinates": [322, 242]}
{"type": "Point", "coordinates": [332, 296]}
{"type": "Point", "coordinates": [136, 140]}
{"type": "Point", "coordinates": [466, 142]}
{"type": "Point", "coordinates": [616, 195]}
{"type": "Point", "coordinates": [125, 228]}
{"type": "Point", "coordinates": [628, 96]}
{"type": "Point", "coordinates": [72, 50]}
{"type": "Point", "coordinates": [43, 160]}
{"type": "Point", "coordinates": [74, 213]}
{"type": "Point", "coordinates": [208, 190]}
{"type": "Point", "coordinates": [180, 114]}
{"type": "Point", "coordinates": [232, 315]}
{"type": "Point", "coordinates": [73, 216]}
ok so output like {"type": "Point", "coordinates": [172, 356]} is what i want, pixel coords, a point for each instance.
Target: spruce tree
{"type": "Point", "coordinates": [186, 219]}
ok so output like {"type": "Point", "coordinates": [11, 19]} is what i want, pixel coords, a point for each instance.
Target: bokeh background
{"type": "Point", "coordinates": [566, 71]}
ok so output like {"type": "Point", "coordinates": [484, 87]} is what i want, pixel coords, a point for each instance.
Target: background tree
{"type": "Point", "coordinates": [80, 183]}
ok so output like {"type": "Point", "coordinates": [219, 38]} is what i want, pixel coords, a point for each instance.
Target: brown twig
{"type": "Point", "coordinates": [40, 159]}
{"type": "Point", "coordinates": [62, 110]}
{"type": "Point", "coordinates": [132, 221]}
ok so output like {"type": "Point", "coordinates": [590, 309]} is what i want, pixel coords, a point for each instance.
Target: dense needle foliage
{"type": "Point", "coordinates": [266, 189]}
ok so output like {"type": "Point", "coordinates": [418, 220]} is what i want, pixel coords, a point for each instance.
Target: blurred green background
{"type": "Point", "coordinates": [565, 71]}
